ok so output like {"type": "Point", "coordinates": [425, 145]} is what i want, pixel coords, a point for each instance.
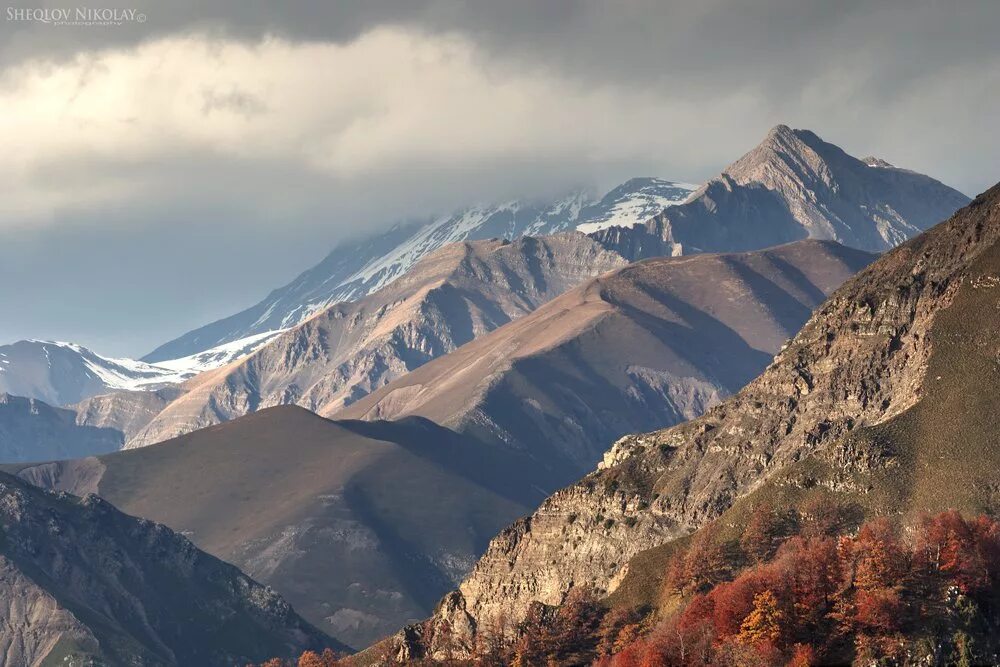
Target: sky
{"type": "Point", "coordinates": [172, 168]}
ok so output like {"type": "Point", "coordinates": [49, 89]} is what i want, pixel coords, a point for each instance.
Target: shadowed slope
{"type": "Point", "coordinates": [80, 580]}
{"type": "Point", "coordinates": [31, 430]}
{"type": "Point", "coordinates": [362, 526]}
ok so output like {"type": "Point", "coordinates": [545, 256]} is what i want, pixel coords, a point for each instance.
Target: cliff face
{"type": "Point", "coordinates": [860, 360]}
{"type": "Point", "coordinates": [80, 580]}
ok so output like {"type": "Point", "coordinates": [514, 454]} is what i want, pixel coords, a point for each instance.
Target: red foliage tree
{"type": "Point", "coordinates": [878, 559]}
{"type": "Point", "coordinates": [954, 548]}
{"type": "Point", "coordinates": [811, 568]}
{"type": "Point", "coordinates": [703, 565]}
{"type": "Point", "coordinates": [878, 610]}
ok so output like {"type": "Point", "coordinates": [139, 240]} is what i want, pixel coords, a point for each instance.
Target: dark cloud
{"type": "Point", "coordinates": [172, 223]}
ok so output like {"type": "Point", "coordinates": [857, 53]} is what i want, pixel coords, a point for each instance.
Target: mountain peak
{"type": "Point", "coordinates": [780, 131]}
{"type": "Point", "coordinates": [781, 146]}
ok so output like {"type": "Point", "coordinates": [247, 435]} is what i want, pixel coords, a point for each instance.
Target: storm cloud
{"type": "Point", "coordinates": [157, 175]}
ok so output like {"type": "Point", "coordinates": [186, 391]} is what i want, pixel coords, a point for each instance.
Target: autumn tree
{"type": "Point", "coordinates": [954, 548]}
{"type": "Point", "coordinates": [811, 568]}
{"type": "Point", "coordinates": [310, 659]}
{"type": "Point", "coordinates": [877, 556]}
{"type": "Point", "coordinates": [820, 517]}
{"type": "Point", "coordinates": [572, 629]}
{"type": "Point", "coordinates": [763, 624]}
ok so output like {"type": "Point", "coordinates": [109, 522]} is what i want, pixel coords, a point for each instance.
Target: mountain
{"type": "Point", "coordinates": [813, 189]}
{"type": "Point", "coordinates": [83, 583]}
{"type": "Point", "coordinates": [62, 373]}
{"type": "Point", "coordinates": [560, 383]}
{"type": "Point", "coordinates": [31, 430]}
{"type": "Point", "coordinates": [793, 186]}
{"type": "Point", "coordinates": [886, 397]}
{"type": "Point", "coordinates": [361, 526]}
{"type": "Point", "coordinates": [356, 269]}
{"type": "Point", "coordinates": [447, 299]}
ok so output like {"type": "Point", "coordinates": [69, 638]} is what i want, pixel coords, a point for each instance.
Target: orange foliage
{"type": "Point", "coordinates": [803, 655]}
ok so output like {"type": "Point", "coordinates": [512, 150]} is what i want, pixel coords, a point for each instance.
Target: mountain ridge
{"type": "Point", "coordinates": [555, 384]}
{"type": "Point", "coordinates": [83, 582]}
{"type": "Point", "coordinates": [356, 269]}
{"type": "Point", "coordinates": [793, 185]}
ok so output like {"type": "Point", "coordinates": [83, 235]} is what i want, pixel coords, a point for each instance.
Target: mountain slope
{"type": "Point", "coordinates": [793, 186]}
{"type": "Point", "coordinates": [560, 384]}
{"type": "Point", "coordinates": [355, 270]}
{"type": "Point", "coordinates": [80, 580]}
{"type": "Point", "coordinates": [362, 526]}
{"type": "Point", "coordinates": [860, 362]}
{"type": "Point", "coordinates": [31, 430]}
{"type": "Point", "coordinates": [342, 354]}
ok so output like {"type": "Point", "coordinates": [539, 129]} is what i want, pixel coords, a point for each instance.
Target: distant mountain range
{"type": "Point", "coordinates": [464, 290]}
{"type": "Point", "coordinates": [62, 373]}
{"type": "Point", "coordinates": [446, 300]}
{"type": "Point", "coordinates": [412, 303]}
{"type": "Point", "coordinates": [792, 186]}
